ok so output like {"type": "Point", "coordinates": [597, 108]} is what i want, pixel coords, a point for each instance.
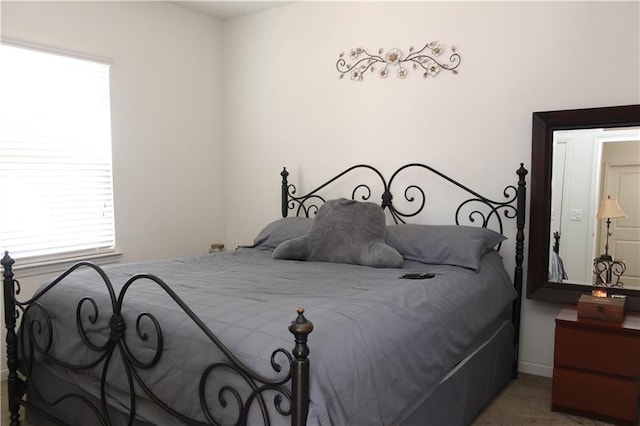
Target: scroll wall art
{"type": "Point", "coordinates": [425, 60]}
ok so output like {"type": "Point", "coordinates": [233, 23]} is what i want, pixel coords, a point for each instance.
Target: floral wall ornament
{"type": "Point", "coordinates": [394, 59]}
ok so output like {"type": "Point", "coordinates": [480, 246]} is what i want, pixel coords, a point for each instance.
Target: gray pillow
{"type": "Point", "coordinates": [281, 230]}
{"type": "Point", "coordinates": [344, 231]}
{"type": "Point", "coordinates": [443, 244]}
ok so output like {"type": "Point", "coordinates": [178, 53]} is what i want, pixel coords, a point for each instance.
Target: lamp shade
{"type": "Point", "coordinates": [610, 208]}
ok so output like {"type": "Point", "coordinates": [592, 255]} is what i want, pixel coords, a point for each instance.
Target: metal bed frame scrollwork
{"type": "Point", "coordinates": [290, 389]}
{"type": "Point", "coordinates": [22, 346]}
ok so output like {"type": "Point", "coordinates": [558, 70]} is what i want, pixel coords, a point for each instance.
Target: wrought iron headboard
{"type": "Point", "coordinates": [487, 210]}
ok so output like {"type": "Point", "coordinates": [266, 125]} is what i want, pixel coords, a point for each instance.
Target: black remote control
{"type": "Point", "coordinates": [418, 276]}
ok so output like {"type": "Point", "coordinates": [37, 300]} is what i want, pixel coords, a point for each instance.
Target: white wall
{"type": "Point", "coordinates": [284, 103]}
{"type": "Point", "coordinates": [166, 115]}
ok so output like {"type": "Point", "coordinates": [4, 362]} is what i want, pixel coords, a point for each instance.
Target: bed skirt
{"type": "Point", "coordinates": [469, 387]}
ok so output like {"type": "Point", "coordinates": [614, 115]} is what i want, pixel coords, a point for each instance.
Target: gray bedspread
{"type": "Point", "coordinates": [380, 344]}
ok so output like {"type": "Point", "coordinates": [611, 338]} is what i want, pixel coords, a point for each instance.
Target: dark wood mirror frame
{"type": "Point", "coordinates": [544, 124]}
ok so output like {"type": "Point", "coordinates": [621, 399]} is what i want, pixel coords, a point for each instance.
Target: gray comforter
{"type": "Point", "coordinates": [380, 344]}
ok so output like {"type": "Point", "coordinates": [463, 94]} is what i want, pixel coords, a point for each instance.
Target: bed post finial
{"type": "Point", "coordinates": [517, 277]}
{"type": "Point", "coordinates": [12, 341]}
{"type": "Point", "coordinates": [300, 328]}
{"type": "Point", "coordinates": [285, 192]}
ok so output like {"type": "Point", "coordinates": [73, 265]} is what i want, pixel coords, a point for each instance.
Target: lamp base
{"type": "Point", "coordinates": [605, 257]}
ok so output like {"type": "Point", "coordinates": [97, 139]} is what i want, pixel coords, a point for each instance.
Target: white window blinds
{"type": "Point", "coordinates": [55, 154]}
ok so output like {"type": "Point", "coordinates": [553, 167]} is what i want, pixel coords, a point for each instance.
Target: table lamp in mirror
{"type": "Point", "coordinates": [606, 267]}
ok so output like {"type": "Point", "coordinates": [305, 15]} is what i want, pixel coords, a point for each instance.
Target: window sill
{"type": "Point", "coordinates": [28, 268]}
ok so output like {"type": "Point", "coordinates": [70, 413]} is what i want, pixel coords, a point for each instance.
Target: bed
{"type": "Point", "coordinates": [411, 324]}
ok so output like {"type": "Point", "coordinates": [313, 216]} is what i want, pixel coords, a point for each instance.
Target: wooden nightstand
{"type": "Point", "coordinates": [597, 367]}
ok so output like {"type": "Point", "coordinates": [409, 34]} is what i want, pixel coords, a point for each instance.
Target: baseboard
{"type": "Point", "coordinates": [535, 369]}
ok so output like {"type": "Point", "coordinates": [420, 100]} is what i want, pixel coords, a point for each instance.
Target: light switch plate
{"type": "Point", "coordinates": [575, 214]}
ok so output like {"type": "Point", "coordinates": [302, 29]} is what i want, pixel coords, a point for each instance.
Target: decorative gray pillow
{"type": "Point", "coordinates": [443, 244]}
{"type": "Point", "coordinates": [281, 230]}
{"type": "Point", "coordinates": [344, 231]}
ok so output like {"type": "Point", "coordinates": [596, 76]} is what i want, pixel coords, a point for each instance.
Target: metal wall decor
{"type": "Point", "coordinates": [424, 58]}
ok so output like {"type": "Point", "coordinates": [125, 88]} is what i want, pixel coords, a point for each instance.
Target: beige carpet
{"type": "Point", "coordinates": [526, 401]}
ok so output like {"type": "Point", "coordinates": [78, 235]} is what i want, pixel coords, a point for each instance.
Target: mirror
{"type": "Point", "coordinates": [555, 128]}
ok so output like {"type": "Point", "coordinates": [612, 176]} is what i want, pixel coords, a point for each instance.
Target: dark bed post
{"type": "Point", "coordinates": [285, 192]}
{"type": "Point", "coordinates": [12, 341]}
{"type": "Point", "coordinates": [300, 328]}
{"type": "Point", "coordinates": [517, 278]}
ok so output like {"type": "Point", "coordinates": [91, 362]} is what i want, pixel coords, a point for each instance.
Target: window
{"type": "Point", "coordinates": [55, 154]}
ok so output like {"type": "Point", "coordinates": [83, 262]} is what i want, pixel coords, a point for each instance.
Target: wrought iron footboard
{"type": "Point", "coordinates": [34, 337]}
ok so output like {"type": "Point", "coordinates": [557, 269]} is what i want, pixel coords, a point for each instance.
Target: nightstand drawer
{"type": "Point", "coordinates": [606, 396]}
{"type": "Point", "coordinates": [606, 352]}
